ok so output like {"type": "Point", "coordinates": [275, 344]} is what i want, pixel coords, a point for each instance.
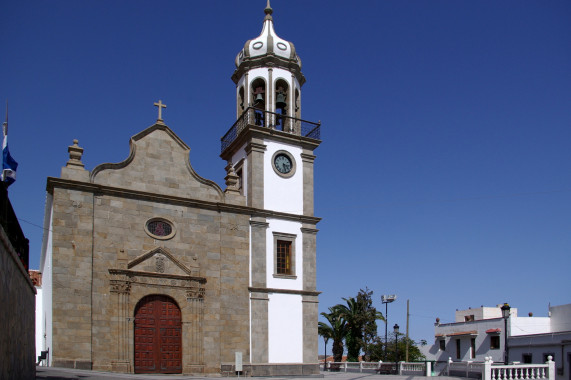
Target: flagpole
{"type": "Point", "coordinates": [4, 134]}
{"type": "Point", "coordinates": [9, 165]}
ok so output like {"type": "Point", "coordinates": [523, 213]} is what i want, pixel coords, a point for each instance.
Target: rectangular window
{"type": "Point", "coordinates": [526, 358]}
{"type": "Point", "coordinates": [468, 318]}
{"type": "Point", "coordinates": [442, 344]}
{"type": "Point", "coordinates": [473, 348]}
{"type": "Point", "coordinates": [284, 255]}
{"type": "Point", "coordinates": [458, 349]}
{"type": "Point", "coordinates": [495, 342]}
{"type": "Point", "coordinates": [240, 181]}
{"type": "Point", "coordinates": [239, 169]}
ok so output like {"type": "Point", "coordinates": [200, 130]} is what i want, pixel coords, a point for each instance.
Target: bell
{"type": "Point", "coordinates": [281, 101]}
{"type": "Point", "coordinates": [259, 98]}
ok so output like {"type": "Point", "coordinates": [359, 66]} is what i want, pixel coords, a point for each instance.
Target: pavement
{"type": "Point", "coordinates": [52, 373]}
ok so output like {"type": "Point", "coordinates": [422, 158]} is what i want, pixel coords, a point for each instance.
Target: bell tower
{"type": "Point", "coordinates": [270, 153]}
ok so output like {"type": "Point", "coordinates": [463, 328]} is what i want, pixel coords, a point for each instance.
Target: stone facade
{"type": "Point", "coordinates": [17, 339]}
{"type": "Point", "coordinates": [105, 260]}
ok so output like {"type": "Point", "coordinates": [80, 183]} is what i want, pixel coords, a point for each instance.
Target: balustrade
{"type": "Point", "coordinates": [271, 120]}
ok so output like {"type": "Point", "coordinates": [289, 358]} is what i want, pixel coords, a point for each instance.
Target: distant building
{"type": "Point", "coordinates": [479, 333]}
{"type": "Point", "coordinates": [533, 339]}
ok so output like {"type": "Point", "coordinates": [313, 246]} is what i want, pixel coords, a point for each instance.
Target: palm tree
{"type": "Point", "coordinates": [361, 318]}
{"type": "Point", "coordinates": [325, 331]}
{"type": "Point", "coordinates": [352, 313]}
{"type": "Point", "coordinates": [336, 330]}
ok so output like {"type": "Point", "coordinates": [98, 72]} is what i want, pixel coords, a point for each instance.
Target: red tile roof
{"type": "Point", "coordinates": [36, 277]}
{"type": "Point", "coordinates": [471, 332]}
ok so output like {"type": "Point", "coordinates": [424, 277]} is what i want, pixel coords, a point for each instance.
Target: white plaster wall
{"type": "Point", "coordinates": [482, 340]}
{"type": "Point", "coordinates": [261, 72]}
{"type": "Point", "coordinates": [529, 325]}
{"type": "Point", "coordinates": [483, 313]}
{"type": "Point", "coordinates": [45, 333]}
{"type": "Point", "coordinates": [39, 321]}
{"type": "Point", "coordinates": [540, 345]}
{"type": "Point", "coordinates": [283, 194]}
{"type": "Point", "coordinates": [560, 318]}
{"type": "Point", "coordinates": [288, 227]}
{"type": "Point", "coordinates": [279, 73]}
{"type": "Point", "coordinates": [285, 328]}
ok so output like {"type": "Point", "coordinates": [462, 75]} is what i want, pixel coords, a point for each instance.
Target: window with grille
{"type": "Point", "coordinates": [159, 228]}
{"type": "Point", "coordinates": [284, 255]}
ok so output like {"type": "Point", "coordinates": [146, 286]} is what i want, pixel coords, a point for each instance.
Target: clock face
{"type": "Point", "coordinates": [283, 163]}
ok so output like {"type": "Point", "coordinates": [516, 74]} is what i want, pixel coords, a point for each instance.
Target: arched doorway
{"type": "Point", "coordinates": [158, 335]}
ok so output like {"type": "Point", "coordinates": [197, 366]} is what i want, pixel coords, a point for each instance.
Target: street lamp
{"type": "Point", "coordinates": [396, 330]}
{"type": "Point", "coordinates": [506, 314]}
{"type": "Point", "coordinates": [387, 299]}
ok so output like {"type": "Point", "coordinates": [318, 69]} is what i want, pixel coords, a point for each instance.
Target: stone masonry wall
{"type": "Point", "coordinates": [72, 272]}
{"type": "Point", "coordinates": [17, 297]}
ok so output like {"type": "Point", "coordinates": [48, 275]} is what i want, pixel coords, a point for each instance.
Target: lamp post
{"type": "Point", "coordinates": [506, 314]}
{"type": "Point", "coordinates": [387, 299]}
{"type": "Point", "coordinates": [396, 330]}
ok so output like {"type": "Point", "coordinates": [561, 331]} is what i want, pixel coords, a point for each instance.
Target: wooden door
{"type": "Point", "coordinates": [158, 336]}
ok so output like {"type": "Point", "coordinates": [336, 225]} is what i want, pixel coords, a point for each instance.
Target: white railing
{"type": "Point", "coordinates": [490, 371]}
{"type": "Point", "coordinates": [464, 369]}
{"type": "Point", "coordinates": [402, 368]}
{"type": "Point", "coordinates": [412, 368]}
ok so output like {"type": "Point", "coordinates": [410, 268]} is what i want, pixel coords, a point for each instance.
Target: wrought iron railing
{"type": "Point", "coordinates": [12, 228]}
{"type": "Point", "coordinates": [267, 119]}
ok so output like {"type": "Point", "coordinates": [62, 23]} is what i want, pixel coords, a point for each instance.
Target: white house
{"type": "Point", "coordinates": [480, 332]}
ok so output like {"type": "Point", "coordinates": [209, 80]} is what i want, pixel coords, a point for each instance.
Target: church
{"type": "Point", "coordinates": [149, 268]}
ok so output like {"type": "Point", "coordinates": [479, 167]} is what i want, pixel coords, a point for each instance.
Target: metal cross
{"type": "Point", "coordinates": [161, 106]}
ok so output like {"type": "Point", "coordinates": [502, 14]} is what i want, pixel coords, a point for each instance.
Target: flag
{"type": "Point", "coordinates": [9, 165]}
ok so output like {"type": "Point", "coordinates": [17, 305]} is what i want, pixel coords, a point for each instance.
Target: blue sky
{"type": "Point", "coordinates": [444, 172]}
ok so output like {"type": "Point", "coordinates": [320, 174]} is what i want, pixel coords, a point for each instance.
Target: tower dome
{"type": "Point", "coordinates": [268, 49]}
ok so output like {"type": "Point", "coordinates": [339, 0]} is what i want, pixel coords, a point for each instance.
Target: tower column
{"type": "Point", "coordinates": [258, 301]}
{"type": "Point", "coordinates": [307, 158]}
{"type": "Point", "coordinates": [255, 151]}
{"type": "Point", "coordinates": [310, 315]}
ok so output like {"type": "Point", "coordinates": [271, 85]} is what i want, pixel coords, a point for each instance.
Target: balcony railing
{"type": "Point", "coordinates": [276, 121]}
{"type": "Point", "coordinates": [11, 227]}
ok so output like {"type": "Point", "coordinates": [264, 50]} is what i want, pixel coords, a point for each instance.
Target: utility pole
{"type": "Point", "coordinates": [407, 315]}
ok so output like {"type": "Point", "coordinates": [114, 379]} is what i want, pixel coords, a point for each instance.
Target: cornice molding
{"type": "Point", "coordinates": [99, 190]}
{"type": "Point", "coordinates": [284, 291]}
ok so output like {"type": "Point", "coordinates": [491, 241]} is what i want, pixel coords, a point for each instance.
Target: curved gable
{"type": "Point", "coordinates": [158, 163]}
